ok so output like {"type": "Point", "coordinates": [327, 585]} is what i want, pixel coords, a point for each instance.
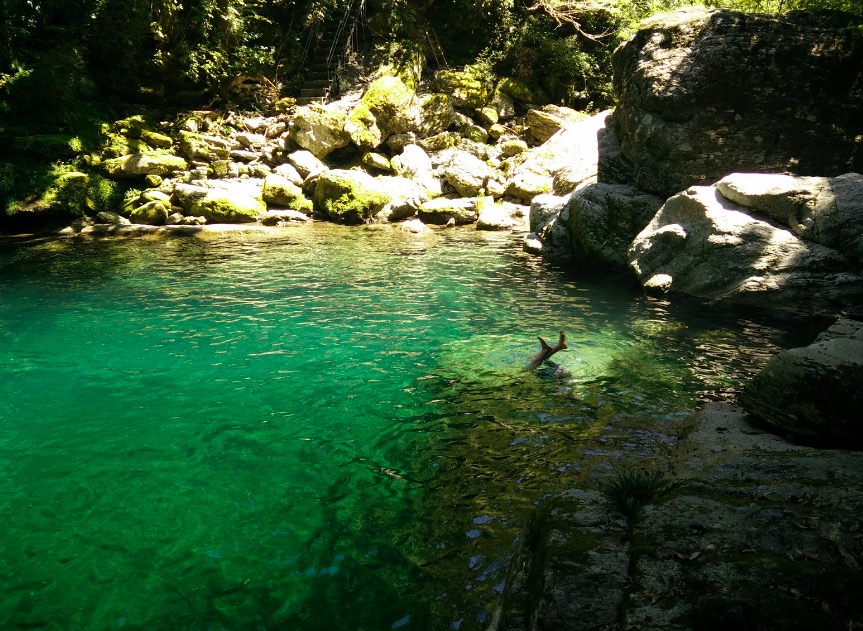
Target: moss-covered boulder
{"type": "Point", "coordinates": [469, 87]}
{"type": "Point", "coordinates": [376, 161]}
{"type": "Point", "coordinates": [153, 213]}
{"type": "Point", "coordinates": [204, 147]}
{"type": "Point", "coordinates": [515, 90]}
{"type": "Point", "coordinates": [156, 140]}
{"type": "Point", "coordinates": [393, 104]}
{"type": "Point", "coordinates": [442, 211]}
{"type": "Point", "coordinates": [226, 206]}
{"type": "Point", "coordinates": [141, 164]}
{"type": "Point", "coordinates": [281, 192]}
{"type": "Point", "coordinates": [436, 114]}
{"type": "Point", "coordinates": [350, 197]}
{"type": "Point", "coordinates": [362, 128]}
{"type": "Point", "coordinates": [319, 129]}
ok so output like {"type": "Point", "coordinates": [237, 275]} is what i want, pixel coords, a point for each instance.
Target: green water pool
{"type": "Point", "coordinates": [318, 428]}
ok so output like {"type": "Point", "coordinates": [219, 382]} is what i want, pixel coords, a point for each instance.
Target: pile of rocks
{"type": "Point", "coordinates": [459, 155]}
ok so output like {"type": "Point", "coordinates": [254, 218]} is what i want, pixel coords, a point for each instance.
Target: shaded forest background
{"type": "Point", "coordinates": [59, 57]}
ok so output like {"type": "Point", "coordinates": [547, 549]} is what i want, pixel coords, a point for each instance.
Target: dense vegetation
{"type": "Point", "coordinates": [68, 66]}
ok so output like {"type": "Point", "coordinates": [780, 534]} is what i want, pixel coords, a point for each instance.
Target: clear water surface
{"type": "Point", "coordinates": [318, 428]}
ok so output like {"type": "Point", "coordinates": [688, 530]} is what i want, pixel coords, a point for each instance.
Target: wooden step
{"type": "Point", "coordinates": [308, 100]}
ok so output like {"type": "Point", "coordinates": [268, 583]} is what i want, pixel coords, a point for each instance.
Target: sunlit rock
{"type": "Point", "coordinates": [714, 250]}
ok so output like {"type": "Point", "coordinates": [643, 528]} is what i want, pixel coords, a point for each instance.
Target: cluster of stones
{"type": "Point", "coordinates": [458, 155]}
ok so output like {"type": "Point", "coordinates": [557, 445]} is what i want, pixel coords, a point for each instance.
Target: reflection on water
{"type": "Point", "coordinates": [325, 428]}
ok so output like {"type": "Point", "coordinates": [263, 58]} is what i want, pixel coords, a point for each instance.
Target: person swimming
{"type": "Point", "coordinates": [547, 351]}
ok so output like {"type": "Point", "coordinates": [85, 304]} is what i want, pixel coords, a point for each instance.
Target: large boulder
{"type": "Point", "coordinates": [828, 211]}
{"type": "Point", "coordinates": [549, 235]}
{"type": "Point", "coordinates": [228, 202]}
{"type": "Point", "coordinates": [319, 129]}
{"type": "Point", "coordinates": [281, 192]}
{"type": "Point", "coordinates": [567, 159]}
{"type": "Point", "coordinates": [415, 164]}
{"type": "Point", "coordinates": [603, 219]}
{"type": "Point", "coordinates": [349, 197]}
{"type": "Point", "coordinates": [468, 88]}
{"type": "Point", "coordinates": [406, 197]}
{"type": "Point", "coordinates": [546, 122]}
{"type": "Point", "coordinates": [467, 174]}
{"type": "Point", "coordinates": [814, 393]}
{"type": "Point", "coordinates": [362, 128]}
{"type": "Point", "coordinates": [142, 164]}
{"type": "Point", "coordinates": [392, 104]}
{"type": "Point", "coordinates": [702, 245]}
{"type": "Point", "coordinates": [443, 211]}
{"type": "Point", "coordinates": [436, 114]}
{"type": "Point", "coordinates": [204, 147]}
{"type": "Point", "coordinates": [700, 95]}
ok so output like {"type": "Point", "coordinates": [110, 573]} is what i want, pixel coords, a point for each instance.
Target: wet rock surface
{"type": "Point", "coordinates": [753, 532]}
{"type": "Point", "coordinates": [814, 393]}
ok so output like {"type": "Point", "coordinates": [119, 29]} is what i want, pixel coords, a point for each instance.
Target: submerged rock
{"type": "Point", "coordinates": [814, 394]}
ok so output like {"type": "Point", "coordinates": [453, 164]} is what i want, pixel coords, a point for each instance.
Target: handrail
{"type": "Point", "coordinates": [355, 14]}
{"type": "Point", "coordinates": [313, 30]}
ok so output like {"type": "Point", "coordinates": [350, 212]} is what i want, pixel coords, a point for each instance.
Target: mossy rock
{"type": "Point", "coordinates": [155, 139]}
{"type": "Point", "coordinates": [377, 161]}
{"type": "Point", "coordinates": [204, 147]}
{"type": "Point", "coordinates": [279, 191]}
{"type": "Point", "coordinates": [153, 213]}
{"type": "Point", "coordinates": [116, 145]}
{"type": "Point", "coordinates": [437, 114]}
{"type": "Point", "coordinates": [349, 197]}
{"type": "Point", "coordinates": [468, 88]}
{"type": "Point", "coordinates": [362, 128]}
{"type": "Point", "coordinates": [442, 211]}
{"type": "Point", "coordinates": [223, 206]}
{"type": "Point", "coordinates": [320, 129]}
{"type": "Point", "coordinates": [392, 103]}
{"type": "Point", "coordinates": [141, 164]}
{"type": "Point", "coordinates": [131, 126]}
{"type": "Point", "coordinates": [516, 90]}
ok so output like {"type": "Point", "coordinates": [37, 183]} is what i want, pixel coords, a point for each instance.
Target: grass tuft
{"type": "Point", "coordinates": [631, 489]}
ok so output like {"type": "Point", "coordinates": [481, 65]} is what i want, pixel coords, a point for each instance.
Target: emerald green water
{"type": "Point", "coordinates": [320, 428]}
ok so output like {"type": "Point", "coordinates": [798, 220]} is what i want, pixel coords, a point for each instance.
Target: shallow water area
{"type": "Point", "coordinates": [311, 428]}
